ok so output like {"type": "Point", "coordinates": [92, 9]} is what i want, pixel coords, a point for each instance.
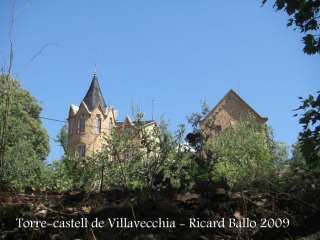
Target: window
{"type": "Point", "coordinates": [97, 124]}
{"type": "Point", "coordinates": [110, 127]}
{"type": "Point", "coordinates": [217, 129]}
{"type": "Point", "coordinates": [82, 124]}
{"type": "Point", "coordinates": [81, 150]}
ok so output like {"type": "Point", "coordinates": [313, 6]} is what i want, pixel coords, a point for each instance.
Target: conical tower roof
{"type": "Point", "coordinates": [94, 95]}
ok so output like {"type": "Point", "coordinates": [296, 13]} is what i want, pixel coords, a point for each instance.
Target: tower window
{"type": "Point", "coordinates": [82, 124]}
{"type": "Point", "coordinates": [81, 150]}
{"type": "Point", "coordinates": [97, 124]}
{"type": "Point", "coordinates": [110, 127]}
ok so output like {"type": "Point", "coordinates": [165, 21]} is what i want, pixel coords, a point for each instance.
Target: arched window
{"type": "Point", "coordinates": [97, 124]}
{"type": "Point", "coordinates": [81, 150]}
{"type": "Point", "coordinates": [82, 124]}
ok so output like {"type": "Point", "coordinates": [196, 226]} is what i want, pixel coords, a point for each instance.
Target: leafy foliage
{"type": "Point", "coordinates": [304, 14]}
{"type": "Point", "coordinates": [28, 142]}
{"type": "Point", "coordinates": [202, 160]}
{"type": "Point", "coordinates": [296, 174]}
{"type": "Point", "coordinates": [309, 138]}
{"type": "Point", "coordinates": [73, 173]}
{"type": "Point", "coordinates": [139, 156]}
{"type": "Point", "coordinates": [246, 153]}
{"type": "Point", "coordinates": [198, 136]}
{"type": "Point", "coordinates": [62, 137]}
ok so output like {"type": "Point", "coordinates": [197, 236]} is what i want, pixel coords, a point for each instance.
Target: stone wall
{"type": "Point", "coordinates": [92, 139]}
{"type": "Point", "coordinates": [230, 110]}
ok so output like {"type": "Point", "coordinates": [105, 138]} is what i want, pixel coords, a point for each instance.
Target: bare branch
{"type": "Point", "coordinates": [11, 42]}
{"type": "Point", "coordinates": [7, 103]}
{"type": "Point", "coordinates": [37, 54]}
{"type": "Point", "coordinates": [23, 8]}
{"type": "Point", "coordinates": [4, 65]}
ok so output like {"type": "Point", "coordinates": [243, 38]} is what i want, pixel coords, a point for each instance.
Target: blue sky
{"type": "Point", "coordinates": [175, 52]}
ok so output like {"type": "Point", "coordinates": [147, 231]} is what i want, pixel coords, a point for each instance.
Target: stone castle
{"type": "Point", "coordinates": [94, 119]}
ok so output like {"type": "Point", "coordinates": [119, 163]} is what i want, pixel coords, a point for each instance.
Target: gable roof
{"type": "Point", "coordinates": [128, 122]}
{"type": "Point", "coordinates": [216, 109]}
{"type": "Point", "coordinates": [94, 95]}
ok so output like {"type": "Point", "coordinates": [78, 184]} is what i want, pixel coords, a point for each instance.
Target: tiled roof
{"type": "Point", "coordinates": [94, 95]}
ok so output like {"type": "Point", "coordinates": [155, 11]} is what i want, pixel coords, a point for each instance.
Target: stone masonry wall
{"type": "Point", "coordinates": [92, 139]}
{"type": "Point", "coordinates": [231, 110]}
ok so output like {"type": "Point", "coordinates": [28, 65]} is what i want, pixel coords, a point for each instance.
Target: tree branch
{"type": "Point", "coordinates": [37, 54]}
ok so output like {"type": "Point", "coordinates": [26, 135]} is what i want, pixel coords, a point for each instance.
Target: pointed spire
{"type": "Point", "coordinates": [94, 95]}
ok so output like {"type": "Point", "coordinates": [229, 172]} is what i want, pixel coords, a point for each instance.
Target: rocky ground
{"type": "Point", "coordinates": [164, 214]}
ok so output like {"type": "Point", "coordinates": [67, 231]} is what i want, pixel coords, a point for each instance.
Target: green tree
{"type": "Point", "coordinates": [304, 15]}
{"type": "Point", "coordinates": [309, 138]}
{"type": "Point", "coordinates": [81, 172]}
{"type": "Point", "coordinates": [117, 150]}
{"type": "Point", "coordinates": [140, 156]}
{"type": "Point", "coordinates": [201, 161]}
{"type": "Point", "coordinates": [27, 145]}
{"type": "Point", "coordinates": [246, 153]}
{"type": "Point", "coordinates": [62, 137]}
{"type": "Point", "coordinates": [297, 160]}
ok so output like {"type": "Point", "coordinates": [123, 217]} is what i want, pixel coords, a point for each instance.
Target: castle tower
{"type": "Point", "coordinates": [89, 121]}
